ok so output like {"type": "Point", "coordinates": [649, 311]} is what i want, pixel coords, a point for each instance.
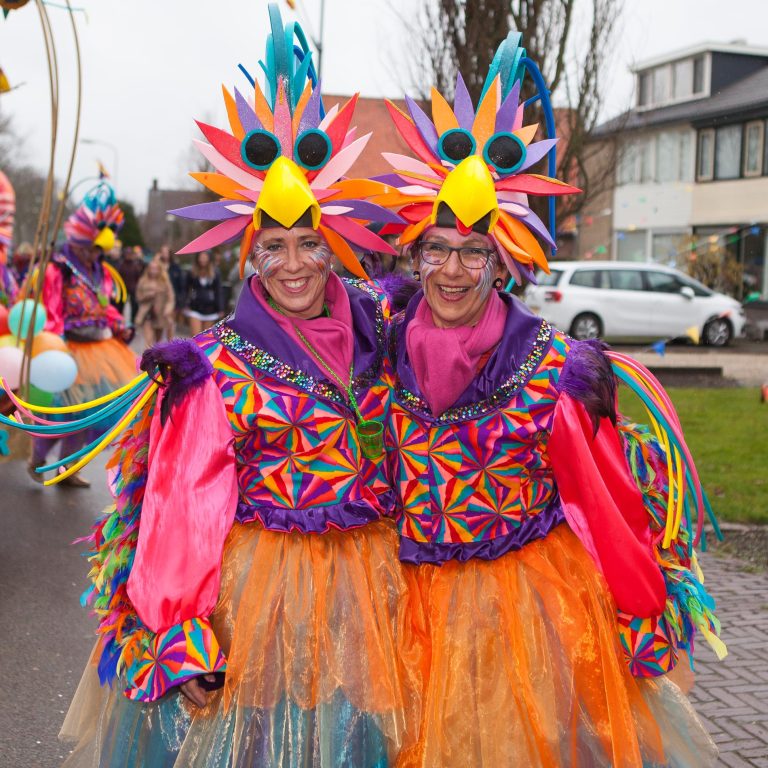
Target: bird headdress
{"type": "Point", "coordinates": [472, 166]}
{"type": "Point", "coordinates": [96, 220]}
{"type": "Point", "coordinates": [283, 160]}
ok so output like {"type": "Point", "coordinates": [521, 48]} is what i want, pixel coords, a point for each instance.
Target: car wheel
{"type": "Point", "coordinates": [717, 332]}
{"type": "Point", "coordinates": [586, 326]}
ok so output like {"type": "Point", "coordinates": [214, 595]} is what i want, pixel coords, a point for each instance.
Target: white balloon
{"type": "Point", "coordinates": [53, 371]}
{"type": "Point", "coordinates": [11, 359]}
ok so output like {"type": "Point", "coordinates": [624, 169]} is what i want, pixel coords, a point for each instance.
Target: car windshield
{"type": "Point", "coordinates": [544, 280]}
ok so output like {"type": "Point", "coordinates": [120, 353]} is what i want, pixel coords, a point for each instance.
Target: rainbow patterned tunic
{"type": "Point", "coordinates": [299, 465]}
{"type": "Point", "coordinates": [481, 480]}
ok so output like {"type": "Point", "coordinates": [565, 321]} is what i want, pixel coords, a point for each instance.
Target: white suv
{"type": "Point", "coordinates": [619, 299]}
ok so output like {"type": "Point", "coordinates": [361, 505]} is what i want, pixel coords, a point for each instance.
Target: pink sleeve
{"type": "Point", "coordinates": [604, 507]}
{"type": "Point", "coordinates": [53, 300]}
{"type": "Point", "coordinates": [189, 505]}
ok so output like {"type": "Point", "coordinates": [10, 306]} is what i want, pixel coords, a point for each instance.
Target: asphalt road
{"type": "Point", "coordinates": [45, 636]}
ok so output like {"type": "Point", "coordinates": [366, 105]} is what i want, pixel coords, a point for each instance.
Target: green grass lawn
{"type": "Point", "coordinates": [727, 434]}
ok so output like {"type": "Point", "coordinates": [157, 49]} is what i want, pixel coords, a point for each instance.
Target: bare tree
{"type": "Point", "coordinates": [462, 35]}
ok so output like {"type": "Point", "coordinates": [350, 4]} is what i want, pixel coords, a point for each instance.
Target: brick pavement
{"type": "Point", "coordinates": [731, 696]}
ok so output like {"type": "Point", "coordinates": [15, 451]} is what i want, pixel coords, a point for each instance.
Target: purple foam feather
{"type": "Point", "coordinates": [206, 211]}
{"type": "Point", "coordinates": [310, 117]}
{"type": "Point", "coordinates": [462, 104]}
{"type": "Point", "coordinates": [392, 179]}
{"type": "Point", "coordinates": [534, 152]}
{"type": "Point", "coordinates": [505, 116]}
{"type": "Point", "coordinates": [362, 209]}
{"type": "Point", "coordinates": [248, 118]}
{"type": "Point", "coordinates": [424, 125]}
{"type": "Point", "coordinates": [587, 376]}
{"type": "Point", "coordinates": [534, 223]}
{"type": "Point", "coordinates": [183, 366]}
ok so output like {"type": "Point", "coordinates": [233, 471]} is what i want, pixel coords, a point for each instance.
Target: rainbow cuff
{"type": "Point", "coordinates": [174, 656]}
{"type": "Point", "coordinates": [648, 645]}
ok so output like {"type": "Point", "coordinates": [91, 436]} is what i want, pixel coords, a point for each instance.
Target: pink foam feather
{"type": "Point", "coordinates": [350, 137]}
{"type": "Point", "coordinates": [357, 234]}
{"type": "Point", "coordinates": [222, 165]}
{"type": "Point", "coordinates": [518, 122]}
{"type": "Point", "coordinates": [411, 164]}
{"type": "Point", "coordinates": [329, 117]}
{"type": "Point", "coordinates": [514, 208]}
{"type": "Point", "coordinates": [217, 235]}
{"type": "Point", "coordinates": [337, 166]}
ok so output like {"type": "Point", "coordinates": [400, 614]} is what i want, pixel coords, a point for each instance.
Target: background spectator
{"type": "Point", "coordinates": [204, 300]}
{"type": "Point", "coordinates": [130, 269]}
{"type": "Point", "coordinates": [154, 294]}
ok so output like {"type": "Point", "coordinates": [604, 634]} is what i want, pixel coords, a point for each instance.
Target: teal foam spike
{"type": "Point", "coordinates": [506, 61]}
{"type": "Point", "coordinates": [279, 51]}
{"type": "Point", "coordinates": [299, 79]}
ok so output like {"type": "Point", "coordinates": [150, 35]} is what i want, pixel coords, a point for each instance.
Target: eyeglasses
{"type": "Point", "coordinates": [470, 257]}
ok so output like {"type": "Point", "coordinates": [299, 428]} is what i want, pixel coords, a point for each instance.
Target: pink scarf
{"type": "Point", "coordinates": [332, 336]}
{"type": "Point", "coordinates": [445, 359]}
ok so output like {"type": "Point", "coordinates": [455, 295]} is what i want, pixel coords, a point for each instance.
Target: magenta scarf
{"type": "Point", "coordinates": [332, 336]}
{"type": "Point", "coordinates": [445, 359]}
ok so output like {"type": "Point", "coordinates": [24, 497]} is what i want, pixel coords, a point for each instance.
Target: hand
{"type": "Point", "coordinates": [195, 692]}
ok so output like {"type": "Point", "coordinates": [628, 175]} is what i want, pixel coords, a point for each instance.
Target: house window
{"type": "Point", "coordinates": [728, 152]}
{"type": "Point", "coordinates": [630, 246]}
{"type": "Point", "coordinates": [686, 156]}
{"type": "Point", "coordinates": [627, 171]}
{"type": "Point", "coordinates": [683, 78]}
{"type": "Point", "coordinates": [667, 156]}
{"type": "Point", "coordinates": [705, 169]}
{"type": "Point", "coordinates": [660, 85]}
{"type": "Point", "coordinates": [754, 134]}
{"type": "Point", "coordinates": [644, 89]}
{"type": "Point", "coordinates": [645, 149]}
{"type": "Point", "coordinates": [698, 75]}
{"type": "Point", "coordinates": [670, 248]}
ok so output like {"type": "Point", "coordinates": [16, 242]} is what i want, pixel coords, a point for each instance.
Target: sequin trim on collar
{"type": "Point", "coordinates": [267, 363]}
{"type": "Point", "coordinates": [513, 384]}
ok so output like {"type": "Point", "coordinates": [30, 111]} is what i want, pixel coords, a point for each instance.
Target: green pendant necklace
{"type": "Point", "coordinates": [370, 433]}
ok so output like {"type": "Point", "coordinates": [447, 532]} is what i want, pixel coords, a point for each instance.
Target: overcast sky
{"type": "Point", "coordinates": [151, 66]}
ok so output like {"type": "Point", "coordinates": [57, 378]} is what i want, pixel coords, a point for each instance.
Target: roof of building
{"type": "Point", "coordinates": [737, 47]}
{"type": "Point", "coordinates": [736, 102]}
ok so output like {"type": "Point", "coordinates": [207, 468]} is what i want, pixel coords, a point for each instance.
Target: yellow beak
{"type": "Point", "coordinates": [469, 192]}
{"type": "Point", "coordinates": [105, 240]}
{"type": "Point", "coordinates": [286, 196]}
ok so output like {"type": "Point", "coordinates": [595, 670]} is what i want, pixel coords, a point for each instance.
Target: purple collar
{"type": "Point", "coordinates": [254, 324]}
{"type": "Point", "coordinates": [525, 336]}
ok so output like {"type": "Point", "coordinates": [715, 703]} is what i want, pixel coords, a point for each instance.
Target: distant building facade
{"type": "Point", "coordinates": [692, 163]}
{"type": "Point", "coordinates": [161, 228]}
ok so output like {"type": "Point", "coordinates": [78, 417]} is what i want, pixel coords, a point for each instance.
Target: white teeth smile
{"type": "Point", "coordinates": [450, 289]}
{"type": "Point", "coordinates": [294, 284]}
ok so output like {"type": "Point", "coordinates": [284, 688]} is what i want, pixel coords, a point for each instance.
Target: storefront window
{"type": "Point", "coordinates": [630, 246]}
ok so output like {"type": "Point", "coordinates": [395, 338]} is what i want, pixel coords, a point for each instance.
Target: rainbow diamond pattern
{"type": "Point", "coordinates": [474, 476]}
{"type": "Point", "coordinates": [174, 656]}
{"type": "Point", "coordinates": [647, 644]}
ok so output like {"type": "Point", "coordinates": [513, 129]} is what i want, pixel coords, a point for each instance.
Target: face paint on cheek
{"type": "Point", "coordinates": [485, 281]}
{"type": "Point", "coordinates": [426, 270]}
{"type": "Point", "coordinates": [266, 262]}
{"type": "Point", "coordinates": [321, 257]}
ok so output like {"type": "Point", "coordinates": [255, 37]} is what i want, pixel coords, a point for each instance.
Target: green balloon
{"type": "Point", "coordinates": [39, 397]}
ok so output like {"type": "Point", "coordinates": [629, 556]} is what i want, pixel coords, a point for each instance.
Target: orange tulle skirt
{"type": "Point", "coordinates": [525, 669]}
{"type": "Point", "coordinates": [102, 367]}
{"type": "Point", "coordinates": [322, 669]}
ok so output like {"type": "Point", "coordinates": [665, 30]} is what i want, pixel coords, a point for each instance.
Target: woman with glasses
{"type": "Point", "coordinates": [553, 601]}
{"type": "Point", "coordinates": [260, 623]}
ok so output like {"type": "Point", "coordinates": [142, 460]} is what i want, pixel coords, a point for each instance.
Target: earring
{"type": "Point", "coordinates": [498, 283]}
{"type": "Point", "coordinates": [417, 275]}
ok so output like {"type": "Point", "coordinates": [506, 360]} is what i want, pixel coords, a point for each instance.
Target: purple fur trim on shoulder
{"type": "Point", "coordinates": [183, 366]}
{"type": "Point", "coordinates": [398, 288]}
{"type": "Point", "coordinates": [587, 377]}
